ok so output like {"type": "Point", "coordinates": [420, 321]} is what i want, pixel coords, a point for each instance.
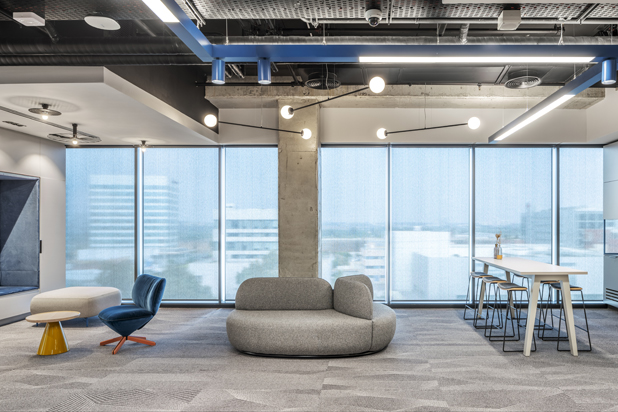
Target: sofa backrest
{"type": "Point", "coordinates": [284, 294]}
{"type": "Point", "coordinates": [353, 297]}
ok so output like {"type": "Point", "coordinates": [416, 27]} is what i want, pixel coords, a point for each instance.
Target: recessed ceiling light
{"type": "Point", "coordinates": [29, 19]}
{"type": "Point", "coordinates": [472, 59]}
{"type": "Point", "coordinates": [102, 22]}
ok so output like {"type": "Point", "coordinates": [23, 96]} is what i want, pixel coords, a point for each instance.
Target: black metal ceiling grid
{"type": "Point", "coordinates": [401, 9]}
{"type": "Point", "coordinates": [296, 9]}
{"type": "Point", "coordinates": [78, 9]}
{"type": "Point", "coordinates": [604, 11]}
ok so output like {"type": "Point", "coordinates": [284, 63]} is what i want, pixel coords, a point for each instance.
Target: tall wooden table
{"type": "Point", "coordinates": [537, 272]}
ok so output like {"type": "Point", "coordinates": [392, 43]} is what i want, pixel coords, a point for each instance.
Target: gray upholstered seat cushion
{"type": "Point", "coordinates": [299, 332]}
{"type": "Point", "coordinates": [284, 294]}
{"type": "Point", "coordinates": [384, 324]}
{"type": "Point", "coordinates": [353, 298]}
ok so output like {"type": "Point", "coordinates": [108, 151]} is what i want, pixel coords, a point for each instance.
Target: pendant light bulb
{"type": "Point", "coordinates": [381, 133]}
{"type": "Point", "coordinates": [377, 84]}
{"type": "Point", "coordinates": [143, 146]}
{"type": "Point", "coordinates": [44, 117]}
{"type": "Point", "coordinates": [287, 112]}
{"type": "Point", "coordinates": [210, 120]}
{"type": "Point", "coordinates": [474, 123]}
{"type": "Point", "coordinates": [305, 134]}
{"type": "Point", "coordinates": [75, 142]}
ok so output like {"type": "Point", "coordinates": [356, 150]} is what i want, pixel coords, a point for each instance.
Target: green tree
{"type": "Point", "coordinates": [266, 267]}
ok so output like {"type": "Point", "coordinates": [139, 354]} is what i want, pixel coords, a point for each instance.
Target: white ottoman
{"type": "Point", "coordinates": [87, 300]}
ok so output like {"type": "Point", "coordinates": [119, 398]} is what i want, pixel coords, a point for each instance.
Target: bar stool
{"type": "Point", "coordinates": [558, 288]}
{"type": "Point", "coordinates": [545, 284]}
{"type": "Point", "coordinates": [473, 277]}
{"type": "Point", "coordinates": [490, 282]}
{"type": "Point", "coordinates": [511, 310]}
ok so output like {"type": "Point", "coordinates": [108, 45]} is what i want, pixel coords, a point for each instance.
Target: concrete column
{"type": "Point", "coordinates": [299, 200]}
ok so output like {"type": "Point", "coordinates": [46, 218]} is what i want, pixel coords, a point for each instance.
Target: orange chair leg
{"type": "Point", "coordinates": [117, 348]}
{"type": "Point", "coordinates": [107, 342]}
{"type": "Point", "coordinates": [141, 340]}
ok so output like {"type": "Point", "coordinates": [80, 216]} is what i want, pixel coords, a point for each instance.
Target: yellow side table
{"type": "Point", "coordinates": [53, 341]}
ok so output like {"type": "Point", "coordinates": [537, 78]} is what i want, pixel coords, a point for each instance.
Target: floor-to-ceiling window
{"type": "Point", "coordinates": [581, 217]}
{"type": "Point", "coordinates": [353, 198]}
{"type": "Point", "coordinates": [430, 223]}
{"type": "Point", "coordinates": [181, 220]}
{"type": "Point", "coordinates": [100, 216]}
{"type": "Point", "coordinates": [513, 197]}
{"type": "Point", "coordinates": [251, 215]}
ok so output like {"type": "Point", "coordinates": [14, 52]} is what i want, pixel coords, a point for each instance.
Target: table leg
{"type": "Point", "coordinates": [482, 294]}
{"type": "Point", "coordinates": [568, 313]}
{"type": "Point", "coordinates": [53, 341]}
{"type": "Point", "coordinates": [534, 297]}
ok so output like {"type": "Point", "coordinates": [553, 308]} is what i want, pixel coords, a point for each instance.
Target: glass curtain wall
{"type": "Point", "coordinates": [514, 198]}
{"type": "Point", "coordinates": [100, 218]}
{"type": "Point", "coordinates": [251, 215]}
{"type": "Point", "coordinates": [181, 220]}
{"type": "Point", "coordinates": [430, 223]}
{"type": "Point", "coordinates": [581, 217]}
{"type": "Point", "coordinates": [353, 196]}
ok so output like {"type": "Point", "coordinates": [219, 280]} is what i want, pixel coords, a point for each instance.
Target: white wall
{"type": "Point", "coordinates": [33, 156]}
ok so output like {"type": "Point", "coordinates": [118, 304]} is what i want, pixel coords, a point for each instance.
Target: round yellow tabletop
{"type": "Point", "coordinates": [53, 341]}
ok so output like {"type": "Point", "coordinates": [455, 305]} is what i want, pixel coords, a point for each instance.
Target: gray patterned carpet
{"type": "Point", "coordinates": [437, 361]}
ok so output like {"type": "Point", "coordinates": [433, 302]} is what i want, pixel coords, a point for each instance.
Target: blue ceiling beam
{"type": "Point", "coordinates": [186, 31]}
{"type": "Point", "coordinates": [570, 90]}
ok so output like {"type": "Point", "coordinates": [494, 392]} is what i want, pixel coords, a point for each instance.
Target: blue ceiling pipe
{"type": "Point", "coordinates": [608, 75]}
{"type": "Point", "coordinates": [264, 71]}
{"type": "Point", "coordinates": [218, 71]}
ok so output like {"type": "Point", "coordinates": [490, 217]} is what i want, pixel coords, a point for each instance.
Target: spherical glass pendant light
{"type": "Point", "coordinates": [210, 120]}
{"type": "Point", "coordinates": [305, 134]}
{"type": "Point", "coordinates": [287, 112]}
{"type": "Point", "coordinates": [381, 133]}
{"type": "Point", "coordinates": [474, 123]}
{"type": "Point", "coordinates": [377, 84]}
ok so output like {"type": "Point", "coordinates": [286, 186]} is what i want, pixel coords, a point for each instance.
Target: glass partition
{"type": "Point", "coordinates": [514, 197]}
{"type": "Point", "coordinates": [581, 217]}
{"type": "Point", "coordinates": [251, 215]}
{"type": "Point", "coordinates": [353, 196]}
{"type": "Point", "coordinates": [430, 223]}
{"type": "Point", "coordinates": [100, 218]}
{"type": "Point", "coordinates": [181, 220]}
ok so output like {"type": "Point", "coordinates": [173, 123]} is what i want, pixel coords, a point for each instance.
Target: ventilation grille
{"type": "Point", "coordinates": [319, 81]}
{"type": "Point", "coordinates": [13, 123]}
{"type": "Point", "coordinates": [611, 294]}
{"type": "Point", "coordinates": [522, 82]}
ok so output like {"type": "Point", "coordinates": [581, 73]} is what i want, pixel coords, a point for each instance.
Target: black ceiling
{"type": "Point", "coordinates": [144, 39]}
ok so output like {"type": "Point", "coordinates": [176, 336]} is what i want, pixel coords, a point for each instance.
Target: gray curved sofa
{"type": "Point", "coordinates": [306, 317]}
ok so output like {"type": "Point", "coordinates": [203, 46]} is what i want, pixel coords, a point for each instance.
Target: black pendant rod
{"type": "Point", "coordinates": [425, 128]}
{"type": "Point", "coordinates": [332, 98]}
{"type": "Point", "coordinates": [260, 127]}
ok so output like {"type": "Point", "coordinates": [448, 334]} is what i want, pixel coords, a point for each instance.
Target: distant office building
{"type": "Point", "coordinates": [250, 233]}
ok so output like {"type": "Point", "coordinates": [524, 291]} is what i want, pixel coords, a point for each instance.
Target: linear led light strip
{"type": "Point", "coordinates": [473, 59]}
{"type": "Point", "coordinates": [536, 116]}
{"type": "Point", "coordinates": [161, 11]}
